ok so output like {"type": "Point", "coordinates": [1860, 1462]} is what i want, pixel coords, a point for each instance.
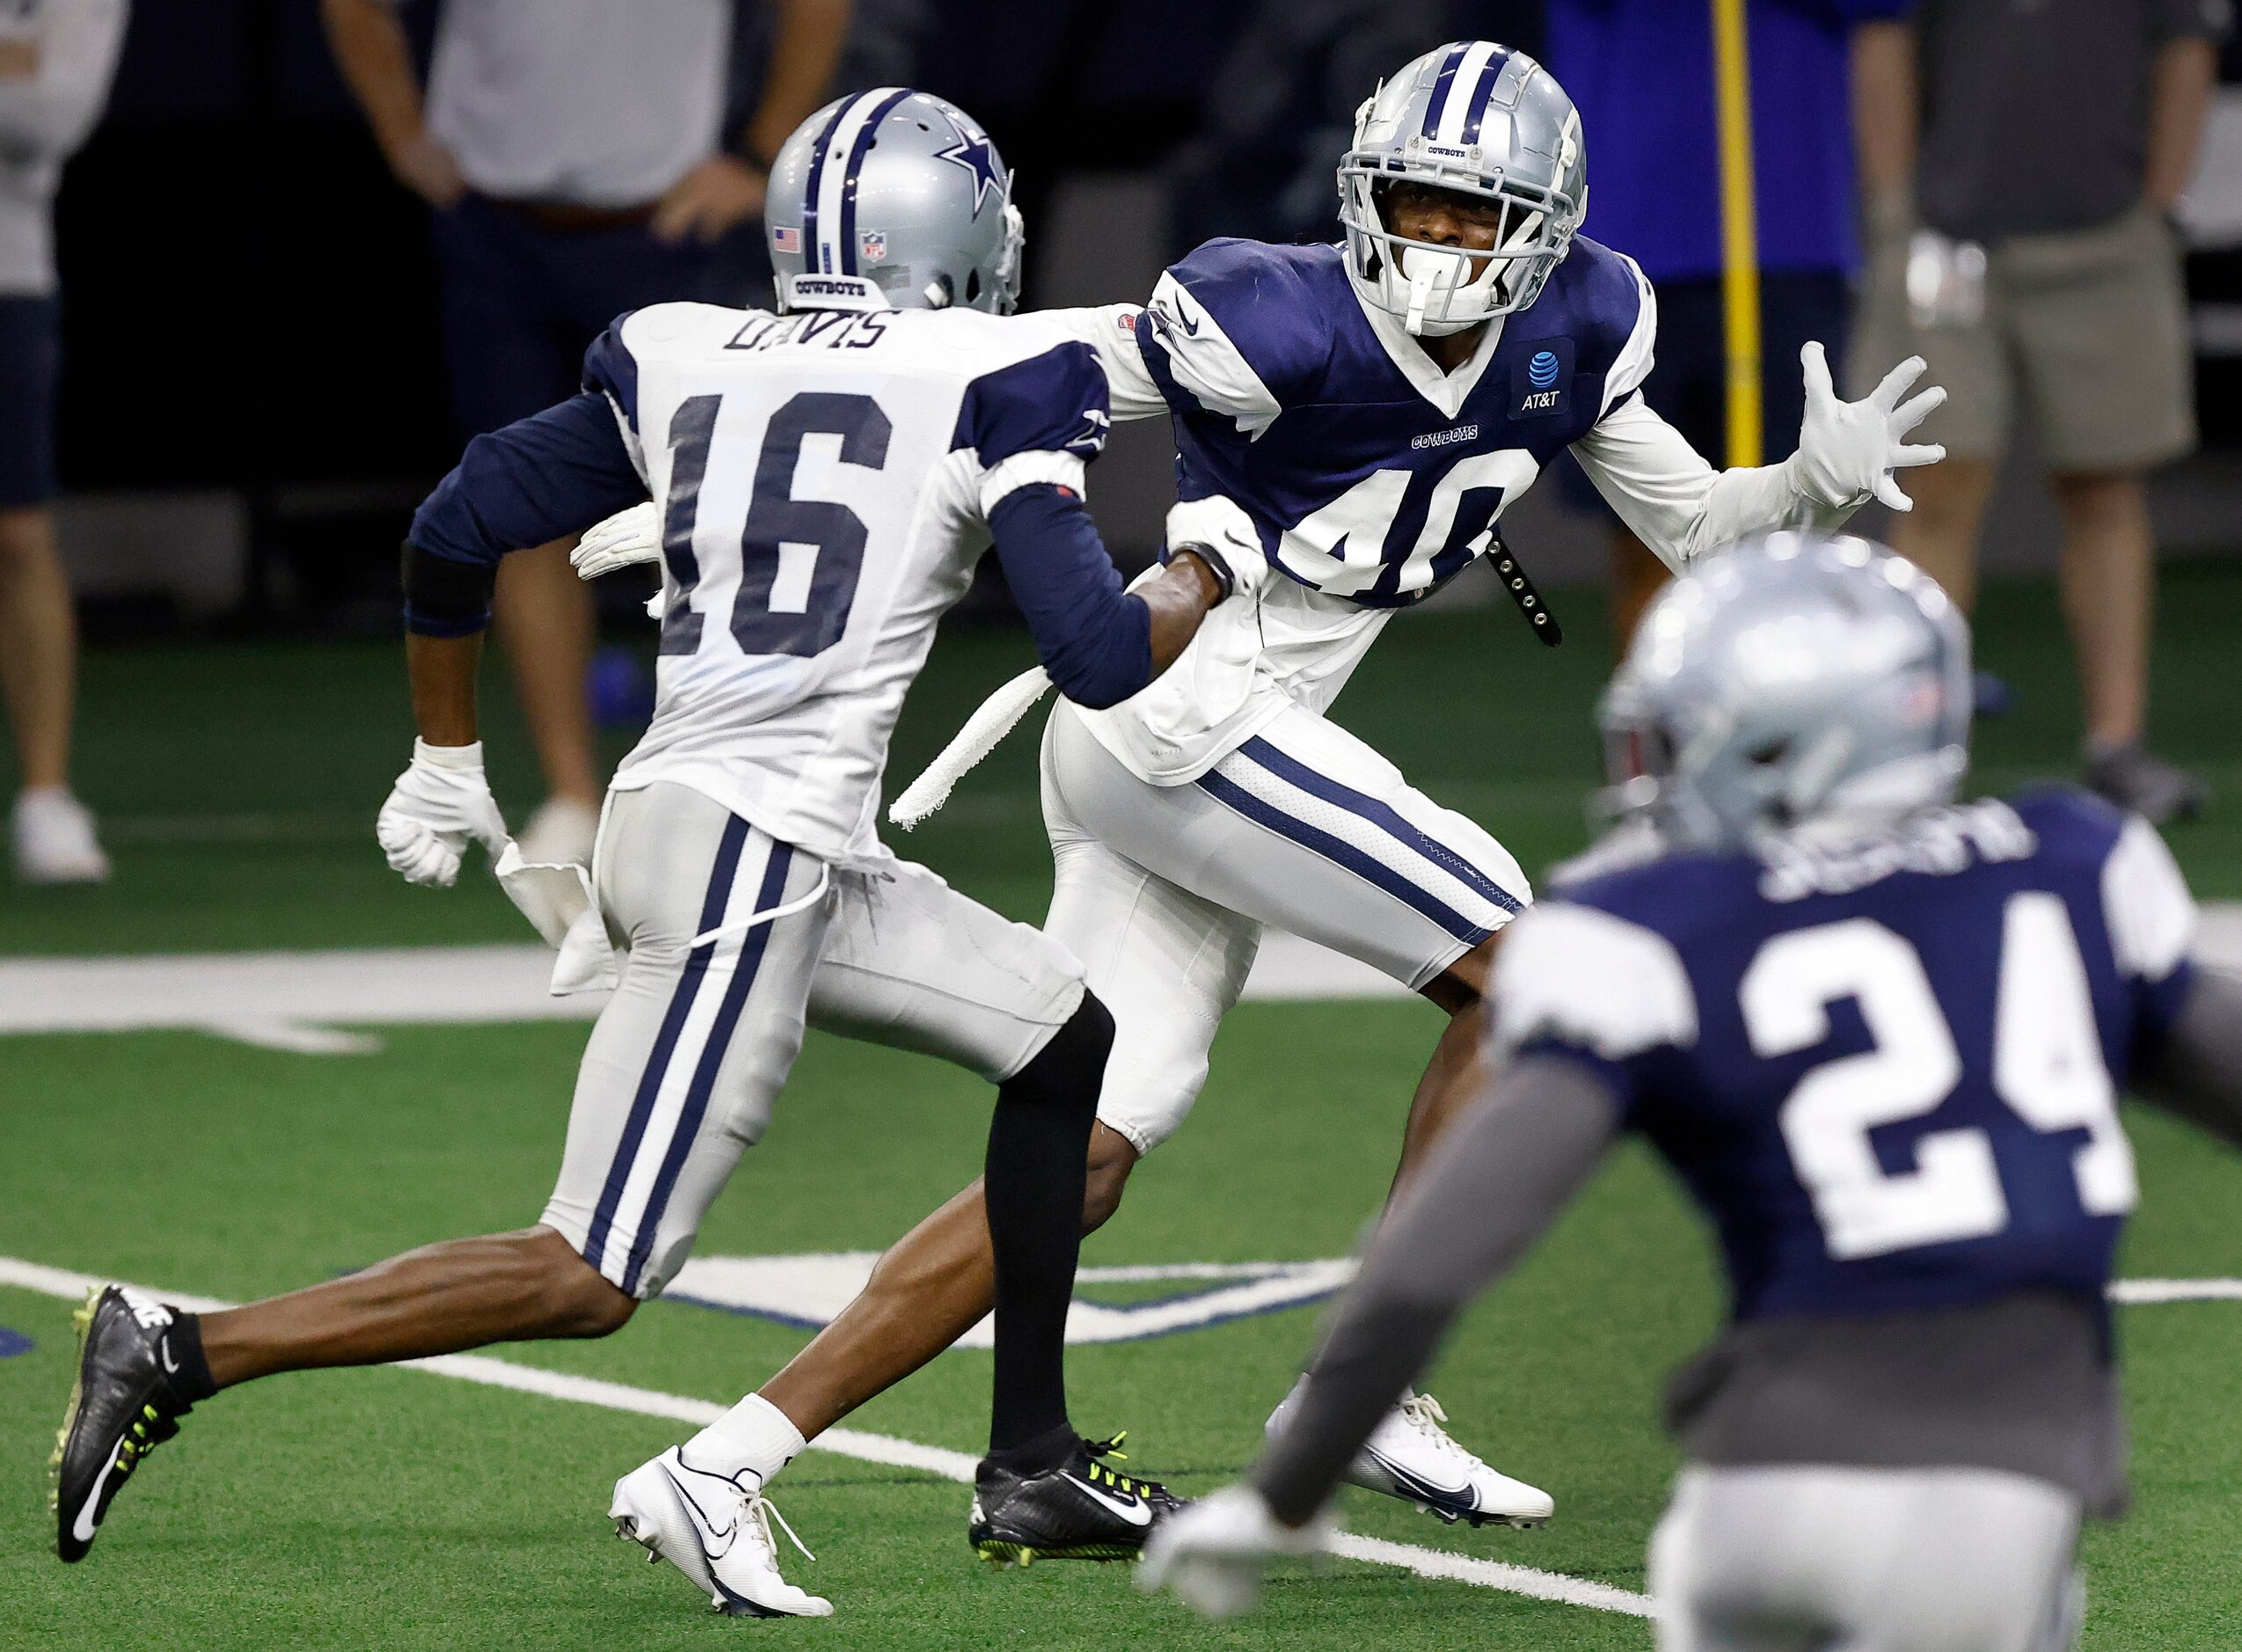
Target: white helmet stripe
{"type": "Point", "coordinates": [833, 176]}
{"type": "Point", "coordinates": [1462, 95]}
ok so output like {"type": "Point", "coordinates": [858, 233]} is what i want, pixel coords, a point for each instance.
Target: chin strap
{"type": "Point", "coordinates": [1421, 292]}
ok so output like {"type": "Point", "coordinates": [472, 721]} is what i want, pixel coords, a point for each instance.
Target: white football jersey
{"type": "Point", "coordinates": [825, 481]}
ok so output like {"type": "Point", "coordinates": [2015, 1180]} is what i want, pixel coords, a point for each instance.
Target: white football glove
{"type": "Point", "coordinates": [627, 538]}
{"type": "Point", "coordinates": [1217, 526]}
{"type": "Point", "coordinates": [1848, 450]}
{"type": "Point", "coordinates": [1215, 1552]}
{"type": "Point", "coordinates": [437, 807]}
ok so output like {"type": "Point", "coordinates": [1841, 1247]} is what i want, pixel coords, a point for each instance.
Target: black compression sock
{"type": "Point", "coordinates": [1038, 1142]}
{"type": "Point", "coordinates": [189, 1373]}
{"type": "Point", "coordinates": [1040, 1455]}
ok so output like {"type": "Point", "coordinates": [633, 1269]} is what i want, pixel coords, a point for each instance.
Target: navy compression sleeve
{"type": "Point", "coordinates": [555, 473]}
{"type": "Point", "coordinates": [1093, 638]}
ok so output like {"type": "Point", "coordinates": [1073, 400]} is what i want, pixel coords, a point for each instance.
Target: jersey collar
{"type": "Point", "coordinates": [1448, 391]}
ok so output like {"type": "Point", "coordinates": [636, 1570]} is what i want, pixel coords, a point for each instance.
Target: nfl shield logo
{"type": "Point", "coordinates": [873, 245]}
{"type": "Point", "coordinates": [785, 239]}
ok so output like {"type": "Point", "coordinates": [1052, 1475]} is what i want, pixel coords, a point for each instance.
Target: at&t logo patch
{"type": "Point", "coordinates": [1541, 379]}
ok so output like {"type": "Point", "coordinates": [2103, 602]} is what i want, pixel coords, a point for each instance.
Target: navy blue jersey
{"type": "Point", "coordinates": [1372, 475]}
{"type": "Point", "coordinates": [1888, 1069]}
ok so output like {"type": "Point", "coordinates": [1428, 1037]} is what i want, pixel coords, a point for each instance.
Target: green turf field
{"type": "Point", "coordinates": [404, 1510]}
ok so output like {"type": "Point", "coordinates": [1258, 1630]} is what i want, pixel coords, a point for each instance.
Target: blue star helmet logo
{"type": "Point", "coordinates": [974, 151]}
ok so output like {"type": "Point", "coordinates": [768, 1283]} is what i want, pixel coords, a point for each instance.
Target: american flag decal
{"type": "Point", "coordinates": [785, 238]}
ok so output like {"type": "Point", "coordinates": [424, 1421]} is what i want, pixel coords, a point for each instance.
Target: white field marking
{"type": "Point", "coordinates": [1516, 1580]}
{"type": "Point", "coordinates": [810, 1291]}
{"type": "Point", "coordinates": [2144, 1292]}
{"type": "Point", "coordinates": [874, 1448]}
{"type": "Point", "coordinates": [304, 1000]}
{"type": "Point", "coordinates": [300, 1001]}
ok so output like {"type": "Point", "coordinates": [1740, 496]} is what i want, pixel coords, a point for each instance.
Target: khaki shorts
{"type": "Point", "coordinates": [2085, 334]}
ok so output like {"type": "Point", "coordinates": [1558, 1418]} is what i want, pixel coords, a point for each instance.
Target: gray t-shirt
{"type": "Point", "coordinates": [43, 117]}
{"type": "Point", "coordinates": [599, 103]}
{"type": "Point", "coordinates": [2036, 112]}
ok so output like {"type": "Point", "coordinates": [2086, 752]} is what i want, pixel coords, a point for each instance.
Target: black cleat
{"type": "Point", "coordinates": [1079, 1510]}
{"type": "Point", "coordinates": [122, 1407]}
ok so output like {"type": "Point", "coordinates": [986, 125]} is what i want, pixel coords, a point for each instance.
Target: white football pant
{"type": "Point", "coordinates": [1163, 891]}
{"type": "Point", "coordinates": [688, 1055]}
{"type": "Point", "coordinates": [1823, 1558]}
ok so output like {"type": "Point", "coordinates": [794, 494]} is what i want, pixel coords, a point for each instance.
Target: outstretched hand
{"type": "Point", "coordinates": [1848, 451]}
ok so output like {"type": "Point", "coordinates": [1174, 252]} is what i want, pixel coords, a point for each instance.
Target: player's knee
{"type": "Point", "coordinates": [577, 1300]}
{"type": "Point", "coordinates": [1463, 986]}
{"type": "Point", "coordinates": [1112, 1157]}
{"type": "Point", "coordinates": [590, 1305]}
{"type": "Point", "coordinates": [1067, 1073]}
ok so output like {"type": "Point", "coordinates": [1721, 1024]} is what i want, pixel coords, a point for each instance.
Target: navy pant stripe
{"type": "Point", "coordinates": [665, 1043]}
{"type": "Point", "coordinates": [752, 948]}
{"type": "Point", "coordinates": [1340, 853]}
{"type": "Point", "coordinates": [1382, 815]}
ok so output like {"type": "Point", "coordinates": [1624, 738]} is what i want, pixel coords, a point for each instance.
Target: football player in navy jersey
{"type": "Point", "coordinates": [1355, 416]}
{"type": "Point", "coordinates": [1880, 1036]}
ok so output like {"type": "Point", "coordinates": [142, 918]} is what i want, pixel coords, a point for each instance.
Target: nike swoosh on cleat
{"type": "Point", "coordinates": [706, 1526]}
{"type": "Point", "coordinates": [1134, 1511]}
{"type": "Point", "coordinates": [83, 1528]}
{"type": "Point", "coordinates": [1417, 1485]}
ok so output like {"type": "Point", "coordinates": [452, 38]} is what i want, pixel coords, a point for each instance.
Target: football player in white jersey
{"type": "Point", "coordinates": [1357, 415]}
{"type": "Point", "coordinates": [1357, 418]}
{"type": "Point", "coordinates": [827, 478]}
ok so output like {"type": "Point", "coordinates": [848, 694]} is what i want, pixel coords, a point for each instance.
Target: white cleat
{"type": "Point", "coordinates": [561, 831]}
{"type": "Point", "coordinates": [54, 841]}
{"type": "Point", "coordinates": [717, 1531]}
{"type": "Point", "coordinates": [1410, 1456]}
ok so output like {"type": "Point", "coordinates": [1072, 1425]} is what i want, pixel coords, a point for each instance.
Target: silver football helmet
{"type": "Point", "coordinates": [1797, 677]}
{"type": "Point", "coordinates": [1481, 119]}
{"type": "Point", "coordinates": [892, 199]}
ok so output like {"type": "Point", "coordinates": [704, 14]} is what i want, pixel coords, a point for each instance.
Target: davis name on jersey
{"type": "Point", "coordinates": [1372, 475]}
{"type": "Point", "coordinates": [825, 481]}
{"type": "Point", "coordinates": [1888, 1069]}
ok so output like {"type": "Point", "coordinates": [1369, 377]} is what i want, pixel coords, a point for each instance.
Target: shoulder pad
{"type": "Point", "coordinates": [1242, 328]}
{"type": "Point", "coordinates": [1578, 976]}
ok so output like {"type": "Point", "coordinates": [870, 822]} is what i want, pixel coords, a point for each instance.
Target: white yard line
{"type": "Point", "coordinates": [305, 1001]}
{"type": "Point", "coordinates": [875, 1448]}
{"type": "Point", "coordinates": [302, 1001]}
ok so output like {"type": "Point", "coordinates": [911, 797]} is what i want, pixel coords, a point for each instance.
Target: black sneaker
{"type": "Point", "coordinates": [1079, 1510]}
{"type": "Point", "coordinates": [2134, 778]}
{"type": "Point", "coordinates": [122, 1407]}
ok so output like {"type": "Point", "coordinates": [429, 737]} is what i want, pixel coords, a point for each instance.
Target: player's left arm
{"type": "Point", "coordinates": [1682, 507]}
{"type": "Point", "coordinates": [1497, 1181]}
{"type": "Point", "coordinates": [1578, 997]}
{"type": "Point", "coordinates": [1033, 427]}
{"type": "Point", "coordinates": [540, 478]}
